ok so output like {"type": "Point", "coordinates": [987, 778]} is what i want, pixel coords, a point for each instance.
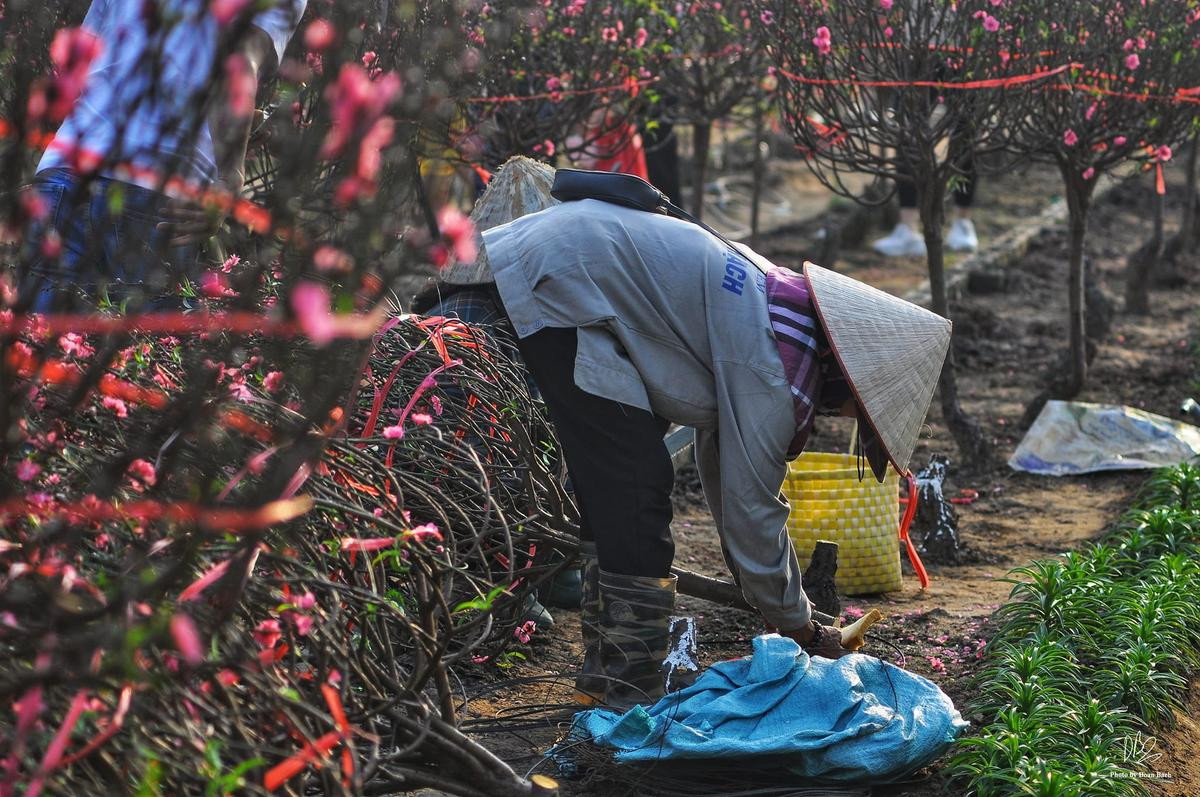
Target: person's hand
{"type": "Point", "coordinates": [818, 640]}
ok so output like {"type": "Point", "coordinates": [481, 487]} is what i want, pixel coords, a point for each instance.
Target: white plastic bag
{"type": "Point", "coordinates": [1074, 437]}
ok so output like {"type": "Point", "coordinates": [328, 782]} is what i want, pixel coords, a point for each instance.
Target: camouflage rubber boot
{"type": "Point", "coordinates": [635, 614]}
{"type": "Point", "coordinates": [589, 684]}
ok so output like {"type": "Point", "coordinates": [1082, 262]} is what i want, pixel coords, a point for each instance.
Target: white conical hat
{"type": "Point", "coordinates": [891, 352]}
{"type": "Point", "coordinates": [520, 186]}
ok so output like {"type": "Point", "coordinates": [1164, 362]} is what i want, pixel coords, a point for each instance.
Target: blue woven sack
{"type": "Point", "coordinates": [856, 719]}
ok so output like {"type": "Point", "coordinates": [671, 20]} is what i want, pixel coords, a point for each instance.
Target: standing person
{"type": "Point", "coordinates": [906, 239]}
{"type": "Point", "coordinates": [166, 98]}
{"type": "Point", "coordinates": [662, 159]}
{"type": "Point", "coordinates": [629, 320]}
{"type": "Point", "coordinates": [616, 146]}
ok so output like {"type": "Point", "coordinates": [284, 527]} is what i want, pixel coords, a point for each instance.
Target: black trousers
{"type": "Point", "coordinates": [619, 465]}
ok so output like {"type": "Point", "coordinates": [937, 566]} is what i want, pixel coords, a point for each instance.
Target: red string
{"type": "Point", "coordinates": [191, 323]}
{"type": "Point", "coordinates": [215, 518]}
{"type": "Point", "coordinates": [626, 85]}
{"type": "Point", "coordinates": [989, 83]}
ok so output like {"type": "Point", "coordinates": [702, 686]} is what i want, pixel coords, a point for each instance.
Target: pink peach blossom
{"type": "Point", "coordinates": [143, 470]}
{"type": "Point", "coordinates": [319, 34]}
{"type": "Point", "coordinates": [267, 633]}
{"type": "Point", "coordinates": [187, 639]}
{"type": "Point", "coordinates": [240, 85]}
{"type": "Point", "coordinates": [459, 232]}
{"type": "Point", "coordinates": [423, 533]}
{"type": "Point", "coordinates": [822, 40]}
{"type": "Point", "coordinates": [330, 259]}
{"type": "Point", "coordinates": [367, 545]}
{"type": "Point", "coordinates": [27, 470]}
{"type": "Point", "coordinates": [226, 11]}
{"type": "Point", "coordinates": [116, 405]}
{"type": "Point", "coordinates": [77, 345]}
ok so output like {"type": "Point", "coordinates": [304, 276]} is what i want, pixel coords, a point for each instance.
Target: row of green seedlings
{"type": "Point", "coordinates": [1091, 655]}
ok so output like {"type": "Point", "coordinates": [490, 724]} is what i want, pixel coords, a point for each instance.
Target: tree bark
{"type": "Point", "coordinates": [1140, 268]}
{"type": "Point", "coordinates": [1079, 202]}
{"type": "Point", "coordinates": [1187, 225]}
{"type": "Point", "coordinates": [701, 136]}
{"type": "Point", "coordinates": [973, 447]}
{"type": "Point", "coordinates": [756, 188]}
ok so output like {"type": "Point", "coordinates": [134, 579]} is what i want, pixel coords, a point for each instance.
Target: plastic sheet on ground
{"type": "Point", "coordinates": [856, 719]}
{"type": "Point", "coordinates": [1074, 437]}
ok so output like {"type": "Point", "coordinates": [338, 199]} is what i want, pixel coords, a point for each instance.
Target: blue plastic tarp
{"type": "Point", "coordinates": [855, 719]}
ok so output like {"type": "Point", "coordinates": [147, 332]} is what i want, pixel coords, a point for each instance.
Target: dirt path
{"type": "Point", "coordinates": [1005, 343]}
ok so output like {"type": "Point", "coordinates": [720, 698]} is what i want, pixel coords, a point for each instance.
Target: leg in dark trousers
{"type": "Point", "coordinates": [619, 465]}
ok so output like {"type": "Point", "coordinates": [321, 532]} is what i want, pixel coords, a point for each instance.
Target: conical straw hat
{"type": "Point", "coordinates": [520, 186]}
{"type": "Point", "coordinates": [891, 352]}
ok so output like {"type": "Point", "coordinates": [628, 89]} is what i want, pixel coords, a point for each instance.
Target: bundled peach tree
{"type": "Point", "coordinates": [246, 541]}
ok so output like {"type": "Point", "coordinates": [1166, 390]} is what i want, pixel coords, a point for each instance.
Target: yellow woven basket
{"type": "Point", "coordinates": [863, 517]}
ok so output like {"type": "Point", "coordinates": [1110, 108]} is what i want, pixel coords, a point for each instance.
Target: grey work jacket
{"type": "Point", "coordinates": [671, 321]}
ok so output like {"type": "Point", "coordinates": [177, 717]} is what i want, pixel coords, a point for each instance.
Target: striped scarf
{"type": "Point", "coordinates": [816, 383]}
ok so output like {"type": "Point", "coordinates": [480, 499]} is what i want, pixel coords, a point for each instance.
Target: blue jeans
{"type": "Point", "coordinates": [110, 246]}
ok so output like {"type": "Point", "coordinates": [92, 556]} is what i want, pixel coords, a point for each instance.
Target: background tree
{"type": "Point", "coordinates": [712, 61]}
{"type": "Point", "coordinates": [1115, 106]}
{"type": "Point", "coordinates": [868, 87]}
{"type": "Point", "coordinates": [555, 77]}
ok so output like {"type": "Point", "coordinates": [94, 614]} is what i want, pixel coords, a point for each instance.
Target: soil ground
{"type": "Point", "coordinates": [1005, 343]}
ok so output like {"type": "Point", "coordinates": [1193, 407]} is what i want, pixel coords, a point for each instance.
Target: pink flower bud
{"type": "Point", "coordinates": [319, 34]}
{"type": "Point", "coordinates": [187, 639]}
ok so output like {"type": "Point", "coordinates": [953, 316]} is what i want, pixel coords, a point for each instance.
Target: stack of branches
{"type": "Point", "coordinates": [167, 630]}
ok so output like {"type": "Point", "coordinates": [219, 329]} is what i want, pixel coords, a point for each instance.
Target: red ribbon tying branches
{"type": "Point", "coordinates": [215, 518]}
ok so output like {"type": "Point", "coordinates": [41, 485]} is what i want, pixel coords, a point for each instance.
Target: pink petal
{"type": "Point", "coordinates": [187, 639]}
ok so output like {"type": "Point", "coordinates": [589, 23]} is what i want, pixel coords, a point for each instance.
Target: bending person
{"type": "Point", "coordinates": [629, 320]}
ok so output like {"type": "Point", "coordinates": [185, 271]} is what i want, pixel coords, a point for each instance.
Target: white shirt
{"type": "Point", "coordinates": [145, 90]}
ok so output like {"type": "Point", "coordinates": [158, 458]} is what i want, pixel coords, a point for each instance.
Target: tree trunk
{"type": "Point", "coordinates": [701, 135]}
{"type": "Point", "coordinates": [1187, 226]}
{"type": "Point", "coordinates": [1079, 202]}
{"type": "Point", "coordinates": [1139, 269]}
{"type": "Point", "coordinates": [756, 188]}
{"type": "Point", "coordinates": [973, 447]}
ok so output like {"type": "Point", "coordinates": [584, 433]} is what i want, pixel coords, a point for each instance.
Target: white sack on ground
{"type": "Point", "coordinates": [1074, 437]}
